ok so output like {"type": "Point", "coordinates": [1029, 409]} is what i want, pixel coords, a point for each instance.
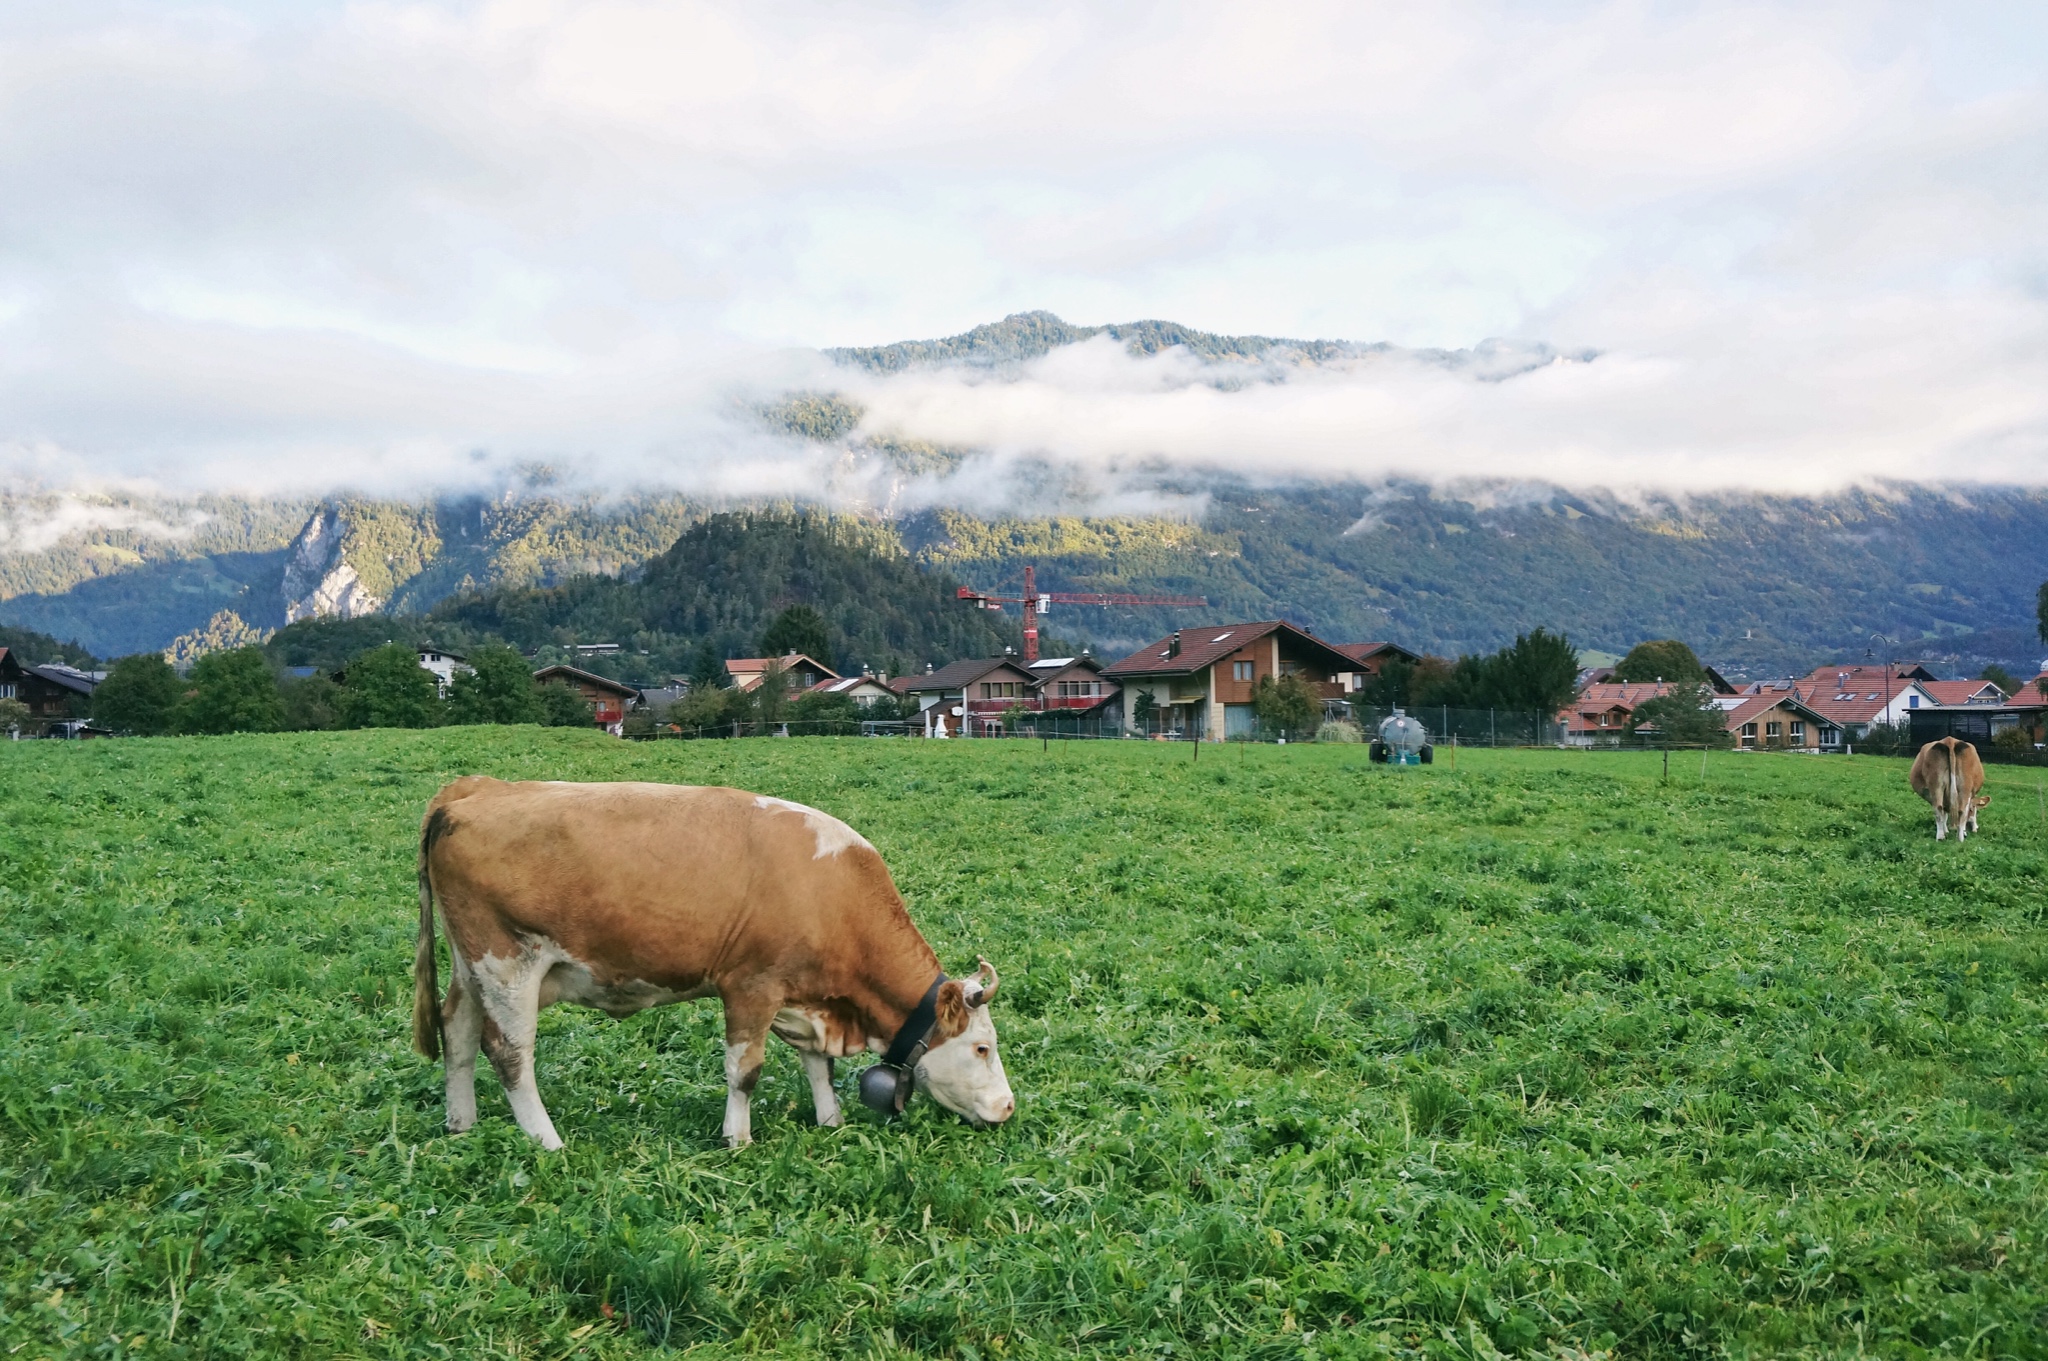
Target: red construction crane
{"type": "Point", "coordinates": [1035, 601]}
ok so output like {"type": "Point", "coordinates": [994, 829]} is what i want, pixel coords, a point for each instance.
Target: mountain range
{"type": "Point", "coordinates": [1760, 585]}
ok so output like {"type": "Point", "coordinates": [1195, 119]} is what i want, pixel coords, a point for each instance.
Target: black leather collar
{"type": "Point", "coordinates": [886, 1086]}
{"type": "Point", "coordinates": [917, 1027]}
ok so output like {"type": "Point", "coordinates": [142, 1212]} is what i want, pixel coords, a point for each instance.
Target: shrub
{"type": "Point", "coordinates": [1339, 730]}
{"type": "Point", "coordinates": [1287, 705]}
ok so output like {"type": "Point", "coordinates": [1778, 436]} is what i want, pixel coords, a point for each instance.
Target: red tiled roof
{"type": "Point", "coordinates": [1963, 692]}
{"type": "Point", "coordinates": [1201, 648]}
{"type": "Point", "coordinates": [1604, 697]}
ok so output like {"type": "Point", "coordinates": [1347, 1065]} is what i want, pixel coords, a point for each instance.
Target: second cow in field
{"type": "Point", "coordinates": [625, 896]}
{"type": "Point", "coordinates": [1950, 775]}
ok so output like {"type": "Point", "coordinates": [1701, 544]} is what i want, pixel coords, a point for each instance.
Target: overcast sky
{"type": "Point", "coordinates": [294, 245]}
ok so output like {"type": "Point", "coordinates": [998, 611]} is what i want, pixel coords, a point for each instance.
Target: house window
{"type": "Point", "coordinates": [1749, 734]}
{"type": "Point", "coordinates": [1912, 701]}
{"type": "Point", "coordinates": [1289, 668]}
{"type": "Point", "coordinates": [1001, 689]}
{"type": "Point", "coordinates": [1079, 689]}
{"type": "Point", "coordinates": [1774, 733]}
{"type": "Point", "coordinates": [1240, 671]}
{"type": "Point", "coordinates": [1831, 737]}
{"type": "Point", "coordinates": [7, 690]}
{"type": "Point", "coordinates": [1799, 731]}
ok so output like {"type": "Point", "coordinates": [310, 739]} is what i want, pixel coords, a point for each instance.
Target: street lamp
{"type": "Point", "coordinates": [1891, 645]}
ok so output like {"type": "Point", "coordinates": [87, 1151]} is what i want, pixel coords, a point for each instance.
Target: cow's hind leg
{"type": "Point", "coordinates": [818, 1068]}
{"type": "Point", "coordinates": [462, 1030]}
{"type": "Point", "coordinates": [510, 992]}
{"type": "Point", "coordinates": [746, 1045]}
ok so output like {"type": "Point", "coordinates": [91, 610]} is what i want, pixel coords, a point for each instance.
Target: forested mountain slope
{"type": "Point", "coordinates": [723, 582]}
{"type": "Point", "coordinates": [1760, 585]}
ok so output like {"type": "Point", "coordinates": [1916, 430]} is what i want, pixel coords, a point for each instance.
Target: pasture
{"type": "Point", "coordinates": [1538, 1057]}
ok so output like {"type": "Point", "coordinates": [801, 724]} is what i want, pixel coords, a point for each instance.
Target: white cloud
{"type": "Point", "coordinates": [32, 525]}
{"type": "Point", "coordinates": [289, 247]}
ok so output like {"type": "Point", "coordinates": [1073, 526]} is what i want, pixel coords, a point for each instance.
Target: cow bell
{"type": "Point", "coordinates": [885, 1088]}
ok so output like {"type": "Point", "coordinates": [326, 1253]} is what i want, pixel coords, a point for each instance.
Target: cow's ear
{"type": "Point", "coordinates": [951, 1011]}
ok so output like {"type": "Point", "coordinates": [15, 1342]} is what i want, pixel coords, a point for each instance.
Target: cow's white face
{"type": "Point", "coordinates": [964, 1073]}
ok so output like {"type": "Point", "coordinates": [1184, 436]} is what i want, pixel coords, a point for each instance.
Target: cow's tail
{"type": "Point", "coordinates": [426, 981]}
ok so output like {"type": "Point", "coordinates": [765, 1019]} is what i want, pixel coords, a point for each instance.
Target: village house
{"type": "Point", "coordinates": [970, 697]}
{"type": "Point", "coordinates": [1070, 685]}
{"type": "Point", "coordinates": [53, 692]}
{"type": "Point", "coordinates": [1856, 698]}
{"type": "Point", "coordinates": [608, 699]}
{"type": "Point", "coordinates": [1779, 717]}
{"type": "Point", "coordinates": [866, 690]}
{"type": "Point", "coordinates": [1200, 680]}
{"type": "Point", "coordinates": [1369, 659]}
{"type": "Point", "coordinates": [445, 665]}
{"type": "Point", "coordinates": [1603, 710]}
{"type": "Point", "coordinates": [799, 672]}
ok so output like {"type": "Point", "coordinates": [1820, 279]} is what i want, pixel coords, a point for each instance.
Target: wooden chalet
{"type": "Point", "coordinates": [800, 671]}
{"type": "Point", "coordinates": [608, 699]}
{"type": "Point", "coordinates": [52, 692]}
{"type": "Point", "coordinates": [1201, 679]}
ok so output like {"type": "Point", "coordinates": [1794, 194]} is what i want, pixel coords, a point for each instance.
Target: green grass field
{"type": "Point", "coordinates": [1537, 1056]}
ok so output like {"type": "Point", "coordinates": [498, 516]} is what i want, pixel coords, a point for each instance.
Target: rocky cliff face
{"type": "Point", "coordinates": [319, 582]}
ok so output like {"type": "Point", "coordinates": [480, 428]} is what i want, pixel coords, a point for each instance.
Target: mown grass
{"type": "Point", "coordinates": [1536, 1056]}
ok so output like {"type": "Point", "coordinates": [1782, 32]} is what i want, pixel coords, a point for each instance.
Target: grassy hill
{"type": "Point", "coordinates": [1536, 1056]}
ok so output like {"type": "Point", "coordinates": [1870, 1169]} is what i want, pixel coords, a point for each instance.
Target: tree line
{"type": "Point", "coordinates": [245, 689]}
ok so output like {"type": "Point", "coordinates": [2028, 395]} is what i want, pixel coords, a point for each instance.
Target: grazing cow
{"type": "Point", "coordinates": [624, 896]}
{"type": "Point", "coordinates": [1949, 774]}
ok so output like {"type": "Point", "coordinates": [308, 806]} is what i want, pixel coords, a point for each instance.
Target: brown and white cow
{"type": "Point", "coordinates": [624, 896]}
{"type": "Point", "coordinates": [1949, 774]}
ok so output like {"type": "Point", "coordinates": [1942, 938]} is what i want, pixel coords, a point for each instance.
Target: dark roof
{"type": "Point", "coordinates": [1204, 647]}
{"type": "Point", "coordinates": [587, 678]}
{"type": "Point", "coordinates": [1365, 652]}
{"type": "Point", "coordinates": [956, 675]}
{"type": "Point", "coordinates": [68, 677]}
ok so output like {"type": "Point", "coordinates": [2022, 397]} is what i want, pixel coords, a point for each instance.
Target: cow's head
{"type": "Point", "coordinates": [963, 1070]}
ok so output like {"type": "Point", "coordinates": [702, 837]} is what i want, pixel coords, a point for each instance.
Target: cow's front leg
{"type": "Point", "coordinates": [818, 1068]}
{"type": "Point", "coordinates": [746, 1045]}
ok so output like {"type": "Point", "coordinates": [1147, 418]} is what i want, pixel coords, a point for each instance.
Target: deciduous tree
{"type": "Point", "coordinates": [1664, 659]}
{"type": "Point", "coordinates": [388, 688]}
{"type": "Point", "coordinates": [498, 688]}
{"type": "Point", "coordinates": [231, 691]}
{"type": "Point", "coordinates": [139, 695]}
{"type": "Point", "coordinates": [1288, 706]}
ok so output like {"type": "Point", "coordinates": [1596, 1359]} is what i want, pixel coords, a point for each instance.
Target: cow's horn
{"type": "Point", "coordinates": [988, 988]}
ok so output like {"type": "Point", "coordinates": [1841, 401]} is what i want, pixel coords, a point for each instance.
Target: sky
{"type": "Point", "coordinates": [297, 247]}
